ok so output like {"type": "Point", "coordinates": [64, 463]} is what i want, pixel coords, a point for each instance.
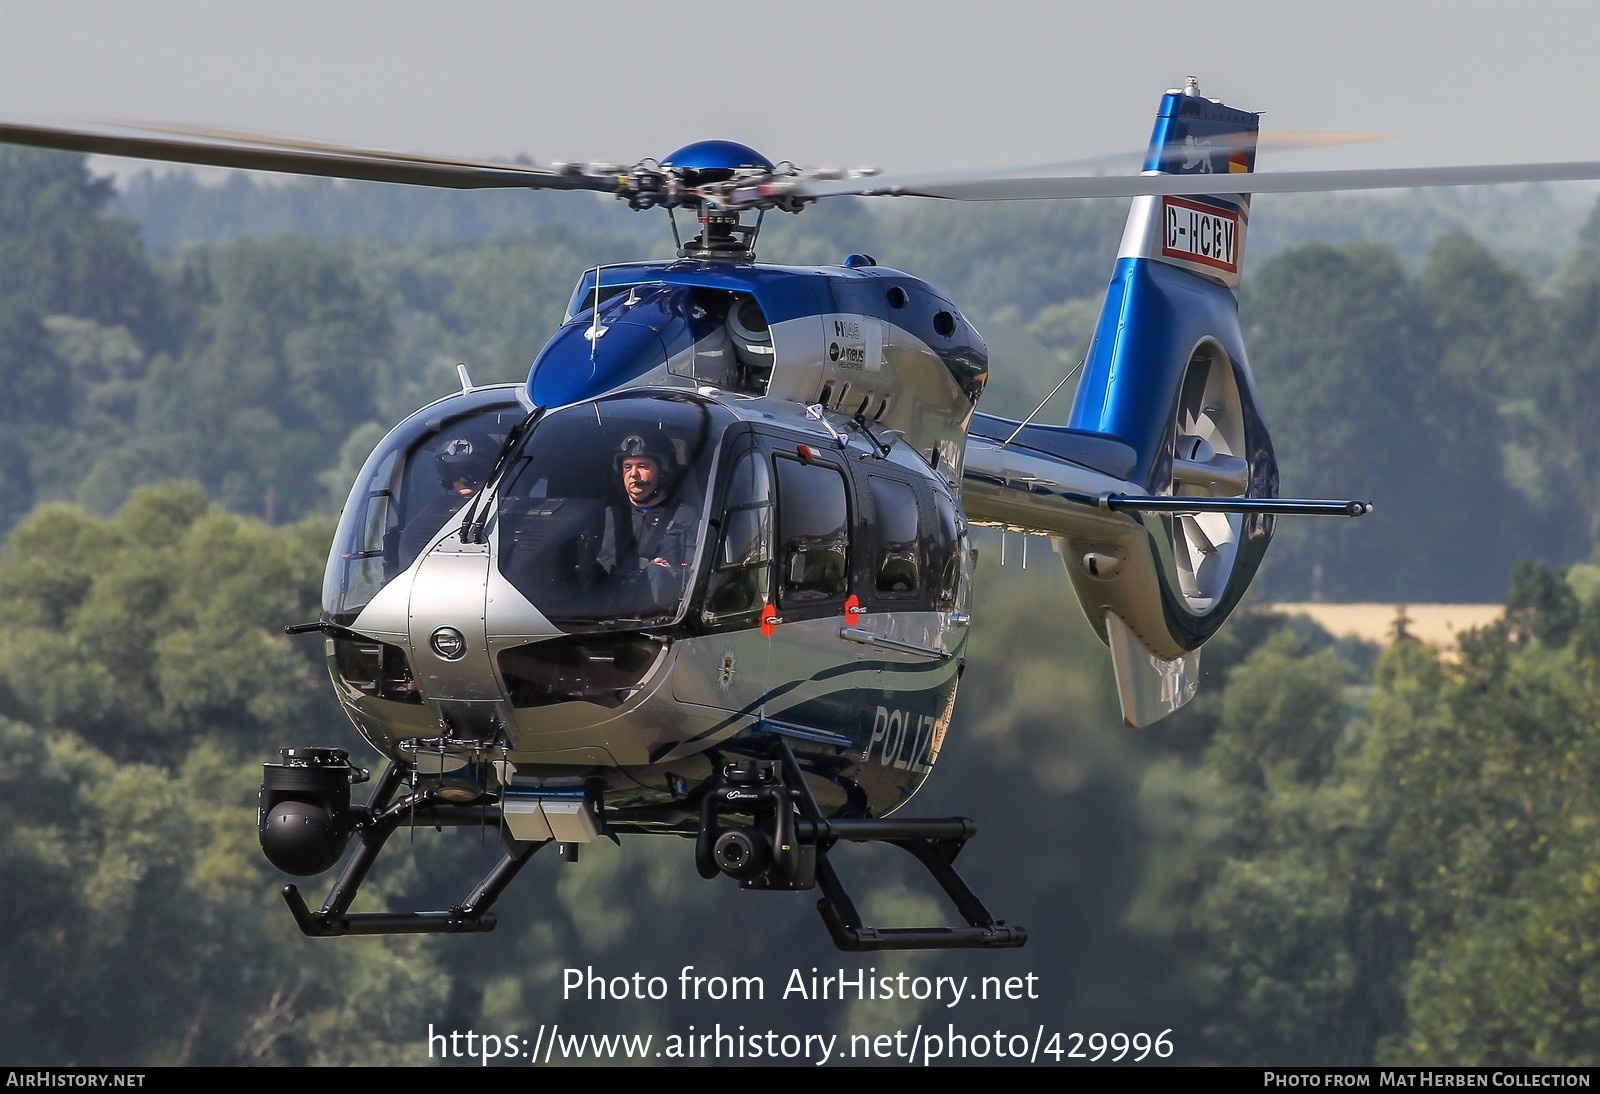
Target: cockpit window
{"type": "Point", "coordinates": [602, 513]}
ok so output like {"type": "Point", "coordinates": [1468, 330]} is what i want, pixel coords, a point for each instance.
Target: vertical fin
{"type": "Point", "coordinates": [1175, 282]}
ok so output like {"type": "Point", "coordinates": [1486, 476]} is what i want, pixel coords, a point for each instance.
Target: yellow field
{"type": "Point", "coordinates": [1436, 624]}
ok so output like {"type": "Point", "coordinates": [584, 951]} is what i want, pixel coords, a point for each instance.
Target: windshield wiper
{"type": "Point", "coordinates": [473, 521]}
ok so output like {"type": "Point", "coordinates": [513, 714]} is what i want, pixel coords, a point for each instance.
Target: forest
{"type": "Point", "coordinates": [1335, 855]}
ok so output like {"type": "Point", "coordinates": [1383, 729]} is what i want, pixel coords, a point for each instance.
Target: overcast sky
{"type": "Point", "coordinates": [897, 84]}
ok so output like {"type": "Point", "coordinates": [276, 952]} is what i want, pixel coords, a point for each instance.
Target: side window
{"type": "Point", "coordinates": [370, 556]}
{"type": "Point", "coordinates": [813, 530]}
{"type": "Point", "coordinates": [740, 573]}
{"type": "Point", "coordinates": [949, 552]}
{"type": "Point", "coordinates": [898, 575]}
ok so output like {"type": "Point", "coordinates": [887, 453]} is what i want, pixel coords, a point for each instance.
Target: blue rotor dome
{"type": "Point", "coordinates": [715, 161]}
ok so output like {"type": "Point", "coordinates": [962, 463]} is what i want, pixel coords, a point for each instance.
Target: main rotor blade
{"type": "Point", "coordinates": [253, 153]}
{"type": "Point", "coordinates": [963, 188]}
{"type": "Point", "coordinates": [1119, 164]}
{"type": "Point", "coordinates": [211, 135]}
{"type": "Point", "coordinates": [1286, 140]}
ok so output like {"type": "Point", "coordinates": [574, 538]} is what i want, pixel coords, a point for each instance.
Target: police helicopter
{"type": "Point", "coordinates": [709, 572]}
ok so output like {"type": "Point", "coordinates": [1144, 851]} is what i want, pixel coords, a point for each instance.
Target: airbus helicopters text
{"type": "Point", "coordinates": [708, 572]}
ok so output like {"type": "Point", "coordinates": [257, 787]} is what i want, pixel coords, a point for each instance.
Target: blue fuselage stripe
{"type": "Point", "coordinates": [1154, 316]}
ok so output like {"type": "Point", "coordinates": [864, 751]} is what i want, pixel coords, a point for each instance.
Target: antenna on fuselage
{"type": "Point", "coordinates": [594, 325]}
{"type": "Point", "coordinates": [1024, 423]}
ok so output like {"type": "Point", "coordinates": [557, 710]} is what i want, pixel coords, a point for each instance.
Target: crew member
{"type": "Point", "coordinates": [650, 540]}
{"type": "Point", "coordinates": [462, 464]}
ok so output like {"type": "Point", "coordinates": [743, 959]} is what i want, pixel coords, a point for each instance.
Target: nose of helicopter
{"type": "Point", "coordinates": [460, 619]}
{"type": "Point", "coordinates": [446, 627]}
{"type": "Point", "coordinates": [436, 612]}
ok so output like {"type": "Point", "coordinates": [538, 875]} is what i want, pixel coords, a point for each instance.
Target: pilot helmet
{"type": "Point", "coordinates": [657, 449]}
{"type": "Point", "coordinates": [465, 455]}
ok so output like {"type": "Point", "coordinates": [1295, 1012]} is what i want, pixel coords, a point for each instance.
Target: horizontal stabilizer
{"type": "Point", "coordinates": [1278, 506]}
{"type": "Point", "coordinates": [1148, 687]}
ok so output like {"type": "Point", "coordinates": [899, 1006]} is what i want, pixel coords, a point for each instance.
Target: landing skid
{"type": "Point", "coordinates": [373, 827]}
{"type": "Point", "coordinates": [780, 841]}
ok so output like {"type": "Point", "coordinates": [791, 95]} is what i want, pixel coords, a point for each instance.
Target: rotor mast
{"type": "Point", "coordinates": [722, 234]}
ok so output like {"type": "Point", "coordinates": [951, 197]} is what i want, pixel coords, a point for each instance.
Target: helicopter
{"type": "Point", "coordinates": [708, 572]}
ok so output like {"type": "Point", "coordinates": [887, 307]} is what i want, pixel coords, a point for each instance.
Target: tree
{"type": "Point", "coordinates": [1489, 853]}
{"type": "Point", "coordinates": [1563, 391]}
{"type": "Point", "coordinates": [161, 625]}
{"type": "Point", "coordinates": [1377, 389]}
{"type": "Point", "coordinates": [282, 363]}
{"type": "Point", "coordinates": [1279, 916]}
{"type": "Point", "coordinates": [62, 253]}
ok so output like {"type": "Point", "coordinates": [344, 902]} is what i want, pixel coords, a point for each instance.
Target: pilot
{"type": "Point", "coordinates": [653, 536]}
{"type": "Point", "coordinates": [462, 465]}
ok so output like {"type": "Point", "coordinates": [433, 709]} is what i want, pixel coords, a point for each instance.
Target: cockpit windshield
{"type": "Point", "coordinates": [421, 476]}
{"type": "Point", "coordinates": [602, 513]}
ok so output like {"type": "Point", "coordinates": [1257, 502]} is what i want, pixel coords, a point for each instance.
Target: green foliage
{"type": "Point", "coordinates": [145, 677]}
{"type": "Point", "coordinates": [1557, 415]}
{"type": "Point", "coordinates": [1542, 605]}
{"type": "Point", "coordinates": [1331, 327]}
{"type": "Point", "coordinates": [1531, 226]}
{"type": "Point", "coordinates": [176, 209]}
{"type": "Point", "coordinates": [1409, 878]}
{"type": "Point", "coordinates": [284, 356]}
{"type": "Point", "coordinates": [1517, 985]}
{"type": "Point", "coordinates": [1285, 712]}
{"type": "Point", "coordinates": [59, 251]}
{"type": "Point", "coordinates": [1365, 371]}
{"type": "Point", "coordinates": [140, 922]}
{"type": "Point", "coordinates": [1292, 956]}
{"type": "Point", "coordinates": [159, 626]}
{"type": "Point", "coordinates": [1490, 853]}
